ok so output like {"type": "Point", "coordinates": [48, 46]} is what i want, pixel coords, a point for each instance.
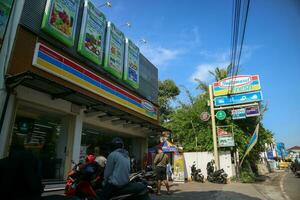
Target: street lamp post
{"type": "Point", "coordinates": [107, 4]}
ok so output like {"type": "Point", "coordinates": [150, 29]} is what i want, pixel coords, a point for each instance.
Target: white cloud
{"type": "Point", "coordinates": [202, 71]}
{"type": "Point", "coordinates": [160, 56]}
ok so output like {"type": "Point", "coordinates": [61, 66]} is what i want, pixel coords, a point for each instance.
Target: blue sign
{"type": "Point", "coordinates": [238, 98]}
{"type": "Point", "coordinates": [239, 113]}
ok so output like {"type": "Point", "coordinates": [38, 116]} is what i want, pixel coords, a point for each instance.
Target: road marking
{"type": "Point", "coordinates": [282, 188]}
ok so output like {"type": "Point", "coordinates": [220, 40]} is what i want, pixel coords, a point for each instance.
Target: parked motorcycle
{"type": "Point", "coordinates": [196, 174]}
{"type": "Point", "coordinates": [218, 176]}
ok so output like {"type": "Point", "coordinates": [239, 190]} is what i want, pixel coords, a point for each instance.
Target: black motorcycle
{"type": "Point", "coordinates": [196, 174]}
{"type": "Point", "coordinates": [218, 176]}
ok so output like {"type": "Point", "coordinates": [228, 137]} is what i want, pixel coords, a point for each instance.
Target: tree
{"type": "Point", "coordinates": [167, 91]}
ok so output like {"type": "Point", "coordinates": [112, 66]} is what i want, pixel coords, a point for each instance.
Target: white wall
{"type": "Point", "coordinates": [202, 158]}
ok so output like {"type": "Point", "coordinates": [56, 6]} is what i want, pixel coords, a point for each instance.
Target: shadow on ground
{"type": "Point", "coordinates": [215, 194]}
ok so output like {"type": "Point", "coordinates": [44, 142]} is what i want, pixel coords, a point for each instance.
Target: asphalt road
{"type": "Point", "coordinates": [291, 186]}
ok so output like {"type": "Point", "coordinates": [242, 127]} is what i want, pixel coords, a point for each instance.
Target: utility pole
{"type": "Point", "coordinates": [213, 124]}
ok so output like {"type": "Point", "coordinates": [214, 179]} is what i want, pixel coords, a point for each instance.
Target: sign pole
{"type": "Point", "coordinates": [213, 123]}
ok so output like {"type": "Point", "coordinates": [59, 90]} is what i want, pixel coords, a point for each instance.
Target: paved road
{"type": "Point", "coordinates": [291, 186]}
{"type": "Point", "coordinates": [277, 186]}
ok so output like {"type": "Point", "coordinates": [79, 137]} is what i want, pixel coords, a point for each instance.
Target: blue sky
{"type": "Point", "coordinates": [187, 38]}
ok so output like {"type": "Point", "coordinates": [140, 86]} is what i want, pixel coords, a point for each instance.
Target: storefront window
{"type": "Point", "coordinates": [44, 134]}
{"type": "Point", "coordinates": [98, 142]}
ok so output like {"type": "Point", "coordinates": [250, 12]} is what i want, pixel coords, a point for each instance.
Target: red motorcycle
{"type": "Point", "coordinates": [84, 179]}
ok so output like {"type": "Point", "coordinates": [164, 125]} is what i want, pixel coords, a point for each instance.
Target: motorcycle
{"type": "Point", "coordinates": [85, 182]}
{"type": "Point", "coordinates": [196, 174]}
{"type": "Point", "coordinates": [218, 176]}
{"type": "Point", "coordinates": [84, 179]}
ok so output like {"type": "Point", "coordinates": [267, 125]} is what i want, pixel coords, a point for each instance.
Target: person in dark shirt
{"type": "Point", "coordinates": [19, 176]}
{"type": "Point", "coordinates": [160, 161]}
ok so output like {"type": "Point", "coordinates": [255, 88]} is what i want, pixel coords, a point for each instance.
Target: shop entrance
{"type": "Point", "coordinates": [43, 132]}
{"type": "Point", "coordinates": [96, 140]}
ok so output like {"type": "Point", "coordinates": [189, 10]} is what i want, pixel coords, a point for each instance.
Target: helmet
{"type": "Point", "coordinates": [90, 158]}
{"type": "Point", "coordinates": [117, 143]}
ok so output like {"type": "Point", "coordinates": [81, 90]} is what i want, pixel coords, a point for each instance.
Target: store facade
{"type": "Point", "coordinates": [63, 105]}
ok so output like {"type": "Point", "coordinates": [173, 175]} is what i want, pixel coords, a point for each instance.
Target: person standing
{"type": "Point", "coordinates": [160, 161]}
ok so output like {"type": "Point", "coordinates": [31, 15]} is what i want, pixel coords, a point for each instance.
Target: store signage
{"type": "Point", "coordinates": [58, 65]}
{"type": "Point", "coordinates": [92, 33]}
{"type": "Point", "coordinates": [5, 10]}
{"type": "Point", "coordinates": [222, 132]}
{"type": "Point", "coordinates": [238, 98]}
{"type": "Point", "coordinates": [226, 141]}
{"type": "Point", "coordinates": [239, 113]}
{"type": "Point", "coordinates": [236, 84]}
{"type": "Point", "coordinates": [204, 116]}
{"type": "Point", "coordinates": [60, 19]}
{"type": "Point", "coordinates": [131, 64]}
{"type": "Point", "coordinates": [252, 111]}
{"type": "Point", "coordinates": [114, 51]}
{"type": "Point", "coordinates": [221, 115]}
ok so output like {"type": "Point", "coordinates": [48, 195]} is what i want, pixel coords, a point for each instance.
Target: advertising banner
{"type": "Point", "coordinates": [236, 84]}
{"type": "Point", "coordinates": [252, 111]}
{"type": "Point", "coordinates": [92, 33]}
{"type": "Point", "coordinates": [5, 9]}
{"type": "Point", "coordinates": [238, 98]}
{"type": "Point", "coordinates": [131, 65]}
{"type": "Point", "coordinates": [60, 19]}
{"type": "Point", "coordinates": [239, 113]}
{"type": "Point", "coordinates": [114, 51]}
{"type": "Point", "coordinates": [178, 173]}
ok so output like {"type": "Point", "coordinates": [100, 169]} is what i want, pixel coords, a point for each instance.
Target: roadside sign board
{"type": "Point", "coordinates": [236, 84]}
{"type": "Point", "coordinates": [204, 116]}
{"type": "Point", "coordinates": [222, 132]}
{"type": "Point", "coordinates": [239, 113]}
{"type": "Point", "coordinates": [226, 141]}
{"type": "Point", "coordinates": [221, 115]}
{"type": "Point", "coordinates": [238, 98]}
{"type": "Point", "coordinates": [252, 111]}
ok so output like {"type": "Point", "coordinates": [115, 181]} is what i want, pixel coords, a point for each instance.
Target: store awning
{"type": "Point", "coordinates": [93, 106]}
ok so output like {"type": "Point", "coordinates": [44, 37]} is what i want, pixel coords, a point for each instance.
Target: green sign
{"type": "Point", "coordinates": [221, 115]}
{"type": "Point", "coordinates": [114, 51]}
{"type": "Point", "coordinates": [5, 9]}
{"type": "Point", "coordinates": [131, 65]}
{"type": "Point", "coordinates": [60, 19]}
{"type": "Point", "coordinates": [91, 40]}
{"type": "Point", "coordinates": [226, 141]}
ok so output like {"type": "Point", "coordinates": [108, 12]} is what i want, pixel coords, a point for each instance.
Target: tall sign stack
{"type": "Point", "coordinates": [241, 95]}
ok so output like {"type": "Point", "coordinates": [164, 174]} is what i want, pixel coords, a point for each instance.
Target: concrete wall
{"type": "Point", "coordinates": [202, 158]}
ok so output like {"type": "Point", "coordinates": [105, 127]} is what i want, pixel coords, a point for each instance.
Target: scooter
{"type": "Point", "coordinates": [196, 174]}
{"type": "Point", "coordinates": [88, 185]}
{"type": "Point", "coordinates": [213, 176]}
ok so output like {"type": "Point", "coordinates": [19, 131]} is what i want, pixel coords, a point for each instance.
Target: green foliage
{"type": "Point", "coordinates": [185, 123]}
{"type": "Point", "coordinates": [167, 91]}
{"type": "Point", "coordinates": [246, 176]}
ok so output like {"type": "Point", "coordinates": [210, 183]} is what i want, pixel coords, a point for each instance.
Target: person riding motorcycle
{"type": "Point", "coordinates": [117, 173]}
{"type": "Point", "coordinates": [117, 170]}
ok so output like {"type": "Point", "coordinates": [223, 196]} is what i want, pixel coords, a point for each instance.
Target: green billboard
{"type": "Point", "coordinates": [91, 39]}
{"type": "Point", "coordinates": [131, 65]}
{"type": "Point", "coordinates": [60, 19]}
{"type": "Point", "coordinates": [5, 9]}
{"type": "Point", "coordinates": [114, 51]}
